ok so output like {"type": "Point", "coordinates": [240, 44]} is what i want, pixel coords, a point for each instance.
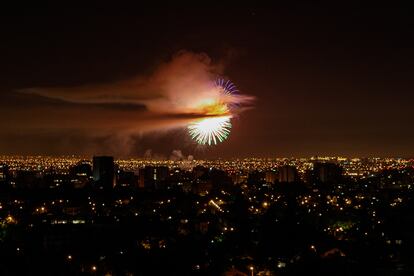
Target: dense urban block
{"type": "Point", "coordinates": [325, 216]}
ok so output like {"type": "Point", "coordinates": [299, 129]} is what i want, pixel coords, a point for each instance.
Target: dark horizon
{"type": "Point", "coordinates": [326, 80]}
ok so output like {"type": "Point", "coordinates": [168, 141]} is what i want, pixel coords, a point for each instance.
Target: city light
{"type": "Point", "coordinates": [210, 200]}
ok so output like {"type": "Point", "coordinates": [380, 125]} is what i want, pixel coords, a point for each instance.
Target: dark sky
{"type": "Point", "coordinates": [327, 80]}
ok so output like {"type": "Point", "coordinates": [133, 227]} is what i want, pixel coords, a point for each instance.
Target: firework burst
{"type": "Point", "coordinates": [214, 130]}
{"type": "Point", "coordinates": [210, 131]}
{"type": "Point", "coordinates": [226, 86]}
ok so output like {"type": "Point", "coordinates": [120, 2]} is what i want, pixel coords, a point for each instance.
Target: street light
{"type": "Point", "coordinates": [252, 270]}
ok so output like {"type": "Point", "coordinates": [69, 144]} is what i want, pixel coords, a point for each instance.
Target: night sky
{"type": "Point", "coordinates": [326, 80]}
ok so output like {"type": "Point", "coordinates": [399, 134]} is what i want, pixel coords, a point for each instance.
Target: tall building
{"type": "Point", "coordinates": [83, 168]}
{"type": "Point", "coordinates": [126, 179]}
{"type": "Point", "coordinates": [26, 179]}
{"type": "Point", "coordinates": [288, 174]}
{"type": "Point", "coordinates": [4, 174]}
{"type": "Point", "coordinates": [80, 174]}
{"type": "Point", "coordinates": [270, 177]}
{"type": "Point", "coordinates": [256, 178]}
{"type": "Point", "coordinates": [151, 177]}
{"type": "Point", "coordinates": [104, 172]}
{"type": "Point", "coordinates": [327, 172]}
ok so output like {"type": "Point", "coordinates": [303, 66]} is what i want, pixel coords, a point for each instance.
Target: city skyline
{"type": "Point", "coordinates": [199, 217]}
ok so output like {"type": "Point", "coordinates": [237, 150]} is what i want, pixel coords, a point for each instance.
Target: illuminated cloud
{"type": "Point", "coordinates": [184, 85]}
{"type": "Point", "coordinates": [176, 93]}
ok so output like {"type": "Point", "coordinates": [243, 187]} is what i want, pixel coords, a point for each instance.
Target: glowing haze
{"type": "Point", "coordinates": [175, 94]}
{"type": "Point", "coordinates": [223, 106]}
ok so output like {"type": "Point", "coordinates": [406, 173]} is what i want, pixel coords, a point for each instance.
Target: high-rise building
{"type": "Point", "coordinates": [126, 179]}
{"type": "Point", "coordinates": [288, 174]}
{"type": "Point", "coordinates": [83, 168]}
{"type": "Point", "coordinates": [326, 172]}
{"type": "Point", "coordinates": [26, 179]}
{"type": "Point", "coordinates": [256, 178]}
{"type": "Point", "coordinates": [4, 174]}
{"type": "Point", "coordinates": [270, 177]}
{"type": "Point", "coordinates": [152, 177]}
{"type": "Point", "coordinates": [104, 172]}
{"type": "Point", "coordinates": [80, 174]}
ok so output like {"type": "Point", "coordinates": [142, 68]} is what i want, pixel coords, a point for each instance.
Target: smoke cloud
{"type": "Point", "coordinates": [178, 87]}
{"type": "Point", "coordinates": [176, 93]}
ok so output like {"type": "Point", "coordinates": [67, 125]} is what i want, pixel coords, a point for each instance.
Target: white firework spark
{"type": "Point", "coordinates": [210, 130]}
